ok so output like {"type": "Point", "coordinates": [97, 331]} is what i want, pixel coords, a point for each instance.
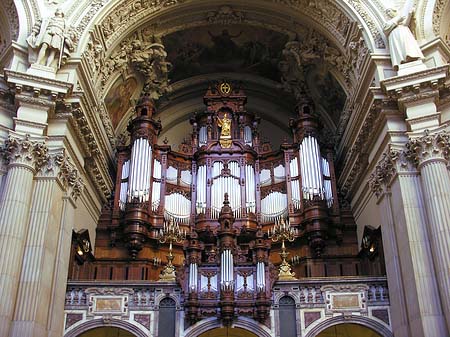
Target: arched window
{"type": "Point", "coordinates": [166, 322]}
{"type": "Point", "coordinates": [287, 317]}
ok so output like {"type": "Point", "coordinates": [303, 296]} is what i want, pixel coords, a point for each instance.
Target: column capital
{"type": "Point", "coordinates": [25, 151]}
{"type": "Point", "coordinates": [393, 162]}
{"type": "Point", "coordinates": [431, 146]}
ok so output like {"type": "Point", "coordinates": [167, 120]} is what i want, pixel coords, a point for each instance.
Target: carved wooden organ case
{"type": "Point", "coordinates": [226, 188]}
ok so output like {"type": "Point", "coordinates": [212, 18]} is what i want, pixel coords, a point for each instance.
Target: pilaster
{"type": "Point", "coordinates": [24, 157]}
{"type": "Point", "coordinates": [52, 182]}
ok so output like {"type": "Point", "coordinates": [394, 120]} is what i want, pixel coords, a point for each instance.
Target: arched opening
{"type": "Point", "coordinates": [348, 330]}
{"type": "Point", "coordinates": [228, 332]}
{"type": "Point", "coordinates": [287, 317]}
{"type": "Point", "coordinates": [107, 332]}
{"type": "Point", "coordinates": [167, 317]}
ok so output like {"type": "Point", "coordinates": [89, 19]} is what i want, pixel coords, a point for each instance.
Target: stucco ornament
{"type": "Point", "coordinates": [403, 46]}
{"type": "Point", "coordinates": [52, 40]}
{"type": "Point", "coordinates": [149, 59]}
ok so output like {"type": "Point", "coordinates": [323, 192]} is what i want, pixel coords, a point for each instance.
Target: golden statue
{"type": "Point", "coordinates": [225, 132]}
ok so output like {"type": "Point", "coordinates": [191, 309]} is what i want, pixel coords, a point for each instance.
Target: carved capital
{"type": "Point", "coordinates": [393, 162]}
{"type": "Point", "coordinates": [384, 171]}
{"type": "Point", "coordinates": [24, 151]}
{"type": "Point", "coordinates": [430, 146]}
{"type": "Point", "coordinates": [58, 165]}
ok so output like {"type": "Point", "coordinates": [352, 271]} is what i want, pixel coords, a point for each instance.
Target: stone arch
{"type": "Point", "coordinates": [279, 295]}
{"type": "Point", "coordinates": [9, 31]}
{"type": "Point", "coordinates": [275, 17]}
{"type": "Point", "coordinates": [242, 322]}
{"type": "Point", "coordinates": [364, 321]}
{"type": "Point", "coordinates": [100, 323]}
{"type": "Point", "coordinates": [160, 297]}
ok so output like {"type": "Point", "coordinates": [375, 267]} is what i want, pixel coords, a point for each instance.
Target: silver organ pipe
{"type": "Point", "coordinates": [226, 268]}
{"type": "Point", "coordinates": [156, 186]}
{"type": "Point", "coordinates": [311, 168]}
{"type": "Point", "coordinates": [327, 182]}
{"type": "Point", "coordinates": [264, 177]}
{"type": "Point", "coordinates": [140, 168]}
{"type": "Point", "coordinates": [295, 184]}
{"type": "Point", "coordinates": [178, 207]}
{"type": "Point", "coordinates": [202, 136]}
{"type": "Point", "coordinates": [171, 175]}
{"type": "Point", "coordinates": [279, 173]}
{"type": "Point", "coordinates": [124, 184]}
{"type": "Point", "coordinates": [273, 206]}
{"type": "Point", "coordinates": [201, 189]}
{"type": "Point", "coordinates": [248, 135]}
{"type": "Point", "coordinates": [185, 178]}
{"type": "Point", "coordinates": [193, 273]}
{"type": "Point", "coordinates": [250, 192]}
{"type": "Point", "coordinates": [260, 276]}
{"type": "Point", "coordinates": [225, 184]}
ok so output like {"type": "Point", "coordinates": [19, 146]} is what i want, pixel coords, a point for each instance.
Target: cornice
{"type": "Point", "coordinates": [432, 78]}
{"type": "Point", "coordinates": [39, 85]}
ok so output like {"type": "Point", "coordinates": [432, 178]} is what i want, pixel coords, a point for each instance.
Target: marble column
{"type": "Point", "coordinates": [25, 156]}
{"type": "Point", "coordinates": [35, 285]}
{"type": "Point", "coordinates": [430, 153]}
{"type": "Point", "coordinates": [404, 210]}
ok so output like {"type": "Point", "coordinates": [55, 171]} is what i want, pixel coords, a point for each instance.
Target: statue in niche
{"type": "Point", "coordinates": [225, 131]}
{"type": "Point", "coordinates": [53, 40]}
{"type": "Point", "coordinates": [403, 46]}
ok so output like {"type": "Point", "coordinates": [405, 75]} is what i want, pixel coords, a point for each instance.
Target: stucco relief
{"type": "Point", "coordinates": [438, 13]}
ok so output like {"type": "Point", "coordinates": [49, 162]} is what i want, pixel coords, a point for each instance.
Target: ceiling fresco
{"type": "Point", "coordinates": [218, 48]}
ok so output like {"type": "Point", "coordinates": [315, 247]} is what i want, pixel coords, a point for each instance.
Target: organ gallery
{"type": "Point", "coordinates": [225, 216]}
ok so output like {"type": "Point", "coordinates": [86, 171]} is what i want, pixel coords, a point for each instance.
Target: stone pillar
{"type": "Point", "coordinates": [405, 219]}
{"type": "Point", "coordinates": [55, 322]}
{"type": "Point", "coordinates": [38, 270]}
{"type": "Point", "coordinates": [25, 156]}
{"type": "Point", "coordinates": [430, 153]}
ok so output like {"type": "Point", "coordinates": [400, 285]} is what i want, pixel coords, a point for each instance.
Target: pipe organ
{"type": "Point", "coordinates": [225, 188]}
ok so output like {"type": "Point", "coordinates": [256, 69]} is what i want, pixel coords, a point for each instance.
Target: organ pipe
{"type": "Point", "coordinates": [178, 207]}
{"type": "Point", "coordinates": [202, 136]}
{"type": "Point", "coordinates": [226, 268]}
{"type": "Point", "coordinates": [247, 135]}
{"type": "Point", "coordinates": [311, 168]}
{"type": "Point", "coordinates": [140, 168]}
{"type": "Point", "coordinates": [201, 189]}
{"type": "Point", "coordinates": [327, 182]}
{"type": "Point", "coordinates": [273, 206]}
{"type": "Point", "coordinates": [193, 273]}
{"type": "Point", "coordinates": [250, 189]}
{"type": "Point", "coordinates": [124, 184]}
{"type": "Point", "coordinates": [260, 276]}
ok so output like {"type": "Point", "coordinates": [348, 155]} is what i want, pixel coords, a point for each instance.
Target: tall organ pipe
{"type": "Point", "coordinates": [260, 276]}
{"type": "Point", "coordinates": [193, 276]}
{"type": "Point", "coordinates": [311, 166]}
{"type": "Point", "coordinates": [140, 168]}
